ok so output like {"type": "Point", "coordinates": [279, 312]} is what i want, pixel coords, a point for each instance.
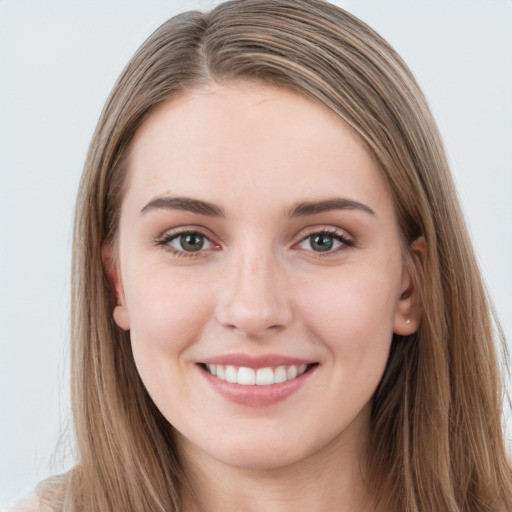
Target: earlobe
{"type": "Point", "coordinates": [121, 317]}
{"type": "Point", "coordinates": [407, 314]}
{"type": "Point", "coordinates": [120, 311]}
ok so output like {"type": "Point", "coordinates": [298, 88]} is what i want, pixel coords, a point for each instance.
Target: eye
{"type": "Point", "coordinates": [185, 242]}
{"type": "Point", "coordinates": [325, 242]}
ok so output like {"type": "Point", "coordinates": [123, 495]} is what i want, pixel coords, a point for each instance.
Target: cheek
{"type": "Point", "coordinates": [167, 312]}
{"type": "Point", "coordinates": [353, 314]}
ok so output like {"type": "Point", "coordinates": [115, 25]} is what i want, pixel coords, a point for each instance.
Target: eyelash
{"type": "Point", "coordinates": [345, 241]}
{"type": "Point", "coordinates": [168, 237]}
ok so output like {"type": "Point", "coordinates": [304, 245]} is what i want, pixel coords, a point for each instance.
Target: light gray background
{"type": "Point", "coordinates": [58, 61]}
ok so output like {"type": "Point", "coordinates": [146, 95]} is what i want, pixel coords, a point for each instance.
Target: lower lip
{"type": "Point", "coordinates": [257, 396]}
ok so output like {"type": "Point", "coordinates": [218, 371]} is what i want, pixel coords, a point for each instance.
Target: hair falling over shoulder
{"type": "Point", "coordinates": [437, 440]}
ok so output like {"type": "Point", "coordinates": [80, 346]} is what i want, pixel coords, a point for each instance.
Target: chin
{"type": "Point", "coordinates": [261, 458]}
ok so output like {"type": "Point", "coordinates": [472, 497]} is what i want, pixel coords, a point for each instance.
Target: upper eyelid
{"type": "Point", "coordinates": [331, 230]}
{"type": "Point", "coordinates": [174, 232]}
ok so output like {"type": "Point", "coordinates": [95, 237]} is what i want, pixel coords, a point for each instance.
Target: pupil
{"type": "Point", "coordinates": [192, 242]}
{"type": "Point", "coordinates": [322, 242]}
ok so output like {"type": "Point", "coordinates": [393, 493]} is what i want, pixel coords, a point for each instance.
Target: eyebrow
{"type": "Point", "coordinates": [184, 203]}
{"type": "Point", "coordinates": [336, 203]}
{"type": "Point", "coordinates": [301, 209]}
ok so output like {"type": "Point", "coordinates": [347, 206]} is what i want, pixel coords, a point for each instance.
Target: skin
{"type": "Point", "coordinates": [258, 286]}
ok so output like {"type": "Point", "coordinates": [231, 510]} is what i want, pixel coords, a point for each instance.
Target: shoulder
{"type": "Point", "coordinates": [48, 496]}
{"type": "Point", "coordinates": [31, 503]}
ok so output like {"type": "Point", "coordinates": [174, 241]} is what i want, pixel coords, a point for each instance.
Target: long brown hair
{"type": "Point", "coordinates": [436, 433]}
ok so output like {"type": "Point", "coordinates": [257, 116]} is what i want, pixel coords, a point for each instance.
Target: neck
{"type": "Point", "coordinates": [329, 479]}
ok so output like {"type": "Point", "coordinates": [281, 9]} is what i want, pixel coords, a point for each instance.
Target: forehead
{"type": "Point", "coordinates": [251, 139]}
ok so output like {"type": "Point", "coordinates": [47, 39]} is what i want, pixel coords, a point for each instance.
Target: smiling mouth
{"type": "Point", "coordinates": [257, 377]}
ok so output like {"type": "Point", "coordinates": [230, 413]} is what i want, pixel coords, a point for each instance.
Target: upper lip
{"type": "Point", "coordinates": [255, 362]}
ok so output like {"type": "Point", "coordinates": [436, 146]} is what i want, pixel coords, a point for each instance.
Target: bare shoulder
{"type": "Point", "coordinates": [32, 503]}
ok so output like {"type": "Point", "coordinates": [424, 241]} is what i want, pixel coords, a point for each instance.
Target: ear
{"type": "Point", "coordinates": [120, 313]}
{"type": "Point", "coordinates": [408, 310]}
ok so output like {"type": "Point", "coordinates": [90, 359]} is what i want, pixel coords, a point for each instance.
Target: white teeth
{"type": "Point", "coordinates": [260, 377]}
{"type": "Point", "coordinates": [280, 374]}
{"type": "Point", "coordinates": [291, 373]}
{"type": "Point", "coordinates": [264, 376]}
{"type": "Point", "coordinates": [231, 374]}
{"type": "Point", "coordinates": [246, 376]}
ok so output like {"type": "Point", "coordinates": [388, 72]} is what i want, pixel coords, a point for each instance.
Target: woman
{"type": "Point", "coordinates": [275, 300]}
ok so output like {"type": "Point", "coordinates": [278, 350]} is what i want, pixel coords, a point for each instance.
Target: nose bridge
{"type": "Point", "coordinates": [254, 298]}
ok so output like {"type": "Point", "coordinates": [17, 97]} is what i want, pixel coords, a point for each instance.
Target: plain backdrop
{"type": "Point", "coordinates": [58, 62]}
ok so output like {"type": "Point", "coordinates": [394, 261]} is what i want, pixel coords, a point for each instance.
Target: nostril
{"type": "Point", "coordinates": [253, 329]}
{"type": "Point", "coordinates": [253, 314]}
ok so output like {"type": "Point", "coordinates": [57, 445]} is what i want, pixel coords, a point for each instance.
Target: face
{"type": "Point", "coordinates": [261, 274]}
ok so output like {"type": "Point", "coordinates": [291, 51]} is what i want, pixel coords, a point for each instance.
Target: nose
{"type": "Point", "coordinates": [254, 301]}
